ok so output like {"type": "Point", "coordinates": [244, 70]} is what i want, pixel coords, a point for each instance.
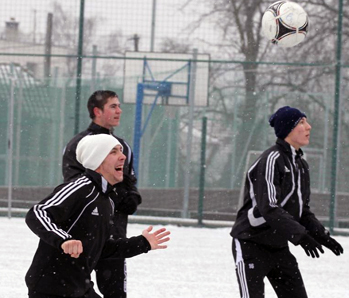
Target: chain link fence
{"type": "Point", "coordinates": [45, 83]}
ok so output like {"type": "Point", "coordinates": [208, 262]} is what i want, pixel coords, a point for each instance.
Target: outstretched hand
{"type": "Point", "coordinates": [332, 244]}
{"type": "Point", "coordinates": [157, 238]}
{"type": "Point", "coordinates": [311, 246]}
{"type": "Point", "coordinates": [72, 248]}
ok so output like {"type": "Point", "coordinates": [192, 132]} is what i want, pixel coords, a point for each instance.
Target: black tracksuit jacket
{"type": "Point", "coordinates": [80, 210]}
{"type": "Point", "coordinates": [276, 199]}
{"type": "Point", "coordinates": [71, 169]}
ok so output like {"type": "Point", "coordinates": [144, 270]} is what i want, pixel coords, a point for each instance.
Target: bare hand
{"type": "Point", "coordinates": [72, 248]}
{"type": "Point", "coordinates": [156, 238]}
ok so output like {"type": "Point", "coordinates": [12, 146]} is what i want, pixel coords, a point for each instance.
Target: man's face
{"type": "Point", "coordinates": [112, 168]}
{"type": "Point", "coordinates": [110, 115]}
{"type": "Point", "coordinates": [299, 136]}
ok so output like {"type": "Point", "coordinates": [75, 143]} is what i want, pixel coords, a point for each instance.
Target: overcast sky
{"type": "Point", "coordinates": [128, 16]}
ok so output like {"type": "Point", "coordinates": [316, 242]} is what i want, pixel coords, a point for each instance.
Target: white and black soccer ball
{"type": "Point", "coordinates": [285, 23]}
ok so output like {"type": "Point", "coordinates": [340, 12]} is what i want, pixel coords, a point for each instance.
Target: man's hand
{"type": "Point", "coordinates": [311, 246]}
{"type": "Point", "coordinates": [331, 244]}
{"type": "Point", "coordinates": [72, 248]}
{"type": "Point", "coordinates": [130, 182]}
{"type": "Point", "coordinates": [127, 196]}
{"type": "Point", "coordinates": [156, 238]}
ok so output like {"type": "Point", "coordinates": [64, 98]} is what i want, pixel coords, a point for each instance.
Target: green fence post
{"type": "Point", "coordinates": [336, 119]}
{"type": "Point", "coordinates": [79, 67]}
{"type": "Point", "coordinates": [10, 141]}
{"type": "Point", "coordinates": [202, 170]}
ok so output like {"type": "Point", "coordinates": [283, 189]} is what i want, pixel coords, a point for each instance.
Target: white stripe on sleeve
{"type": "Point", "coordinates": [57, 199]}
{"type": "Point", "coordinates": [269, 177]}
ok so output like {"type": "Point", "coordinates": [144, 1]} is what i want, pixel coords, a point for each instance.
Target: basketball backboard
{"type": "Point", "coordinates": [170, 71]}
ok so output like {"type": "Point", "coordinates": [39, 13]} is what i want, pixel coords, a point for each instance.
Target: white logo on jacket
{"type": "Point", "coordinates": [95, 211]}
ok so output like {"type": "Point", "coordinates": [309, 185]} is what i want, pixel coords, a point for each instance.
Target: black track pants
{"type": "Point", "coordinates": [254, 262]}
{"type": "Point", "coordinates": [111, 277]}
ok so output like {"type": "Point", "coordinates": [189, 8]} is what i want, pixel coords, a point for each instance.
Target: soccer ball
{"type": "Point", "coordinates": [285, 23]}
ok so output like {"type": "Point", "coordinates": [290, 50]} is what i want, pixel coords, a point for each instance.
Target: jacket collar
{"type": "Point", "coordinates": [100, 181]}
{"type": "Point", "coordinates": [95, 128]}
{"type": "Point", "coordinates": [291, 151]}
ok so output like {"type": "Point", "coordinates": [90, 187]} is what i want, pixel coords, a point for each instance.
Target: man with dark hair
{"type": "Point", "coordinates": [105, 111]}
{"type": "Point", "coordinates": [276, 210]}
{"type": "Point", "coordinates": [74, 222]}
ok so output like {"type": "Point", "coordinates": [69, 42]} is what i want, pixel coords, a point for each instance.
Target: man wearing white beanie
{"type": "Point", "coordinates": [92, 150]}
{"type": "Point", "coordinates": [105, 112]}
{"type": "Point", "coordinates": [74, 222]}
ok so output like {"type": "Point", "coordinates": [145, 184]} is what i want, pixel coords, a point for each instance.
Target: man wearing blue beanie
{"type": "Point", "coordinates": [276, 211]}
{"type": "Point", "coordinates": [285, 119]}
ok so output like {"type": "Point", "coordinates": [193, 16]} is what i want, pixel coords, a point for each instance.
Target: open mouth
{"type": "Point", "coordinates": [119, 169]}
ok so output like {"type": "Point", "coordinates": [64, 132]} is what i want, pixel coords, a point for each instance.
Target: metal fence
{"type": "Point", "coordinates": [54, 54]}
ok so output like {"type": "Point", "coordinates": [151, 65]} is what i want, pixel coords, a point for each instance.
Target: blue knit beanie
{"type": "Point", "coordinates": [284, 120]}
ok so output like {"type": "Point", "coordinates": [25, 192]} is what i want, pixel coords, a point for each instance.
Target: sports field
{"type": "Point", "coordinates": [197, 264]}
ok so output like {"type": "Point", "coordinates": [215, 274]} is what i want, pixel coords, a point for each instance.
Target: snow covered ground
{"type": "Point", "coordinates": [197, 264]}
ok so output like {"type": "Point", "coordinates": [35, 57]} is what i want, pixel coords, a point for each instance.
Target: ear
{"type": "Point", "coordinates": [97, 111]}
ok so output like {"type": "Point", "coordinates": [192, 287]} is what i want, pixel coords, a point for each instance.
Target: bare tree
{"type": "Point", "coordinates": [170, 45]}
{"type": "Point", "coordinates": [238, 23]}
{"type": "Point", "coordinates": [266, 71]}
{"type": "Point", "coordinates": [65, 33]}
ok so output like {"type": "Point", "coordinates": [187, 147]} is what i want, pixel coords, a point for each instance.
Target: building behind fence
{"type": "Point", "coordinates": [41, 84]}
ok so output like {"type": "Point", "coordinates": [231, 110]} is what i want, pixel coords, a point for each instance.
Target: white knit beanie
{"type": "Point", "coordinates": [93, 149]}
